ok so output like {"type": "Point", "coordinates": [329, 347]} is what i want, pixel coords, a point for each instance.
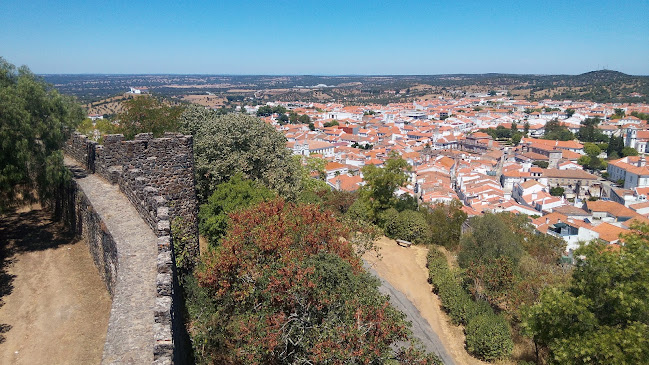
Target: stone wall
{"type": "Point", "coordinates": [157, 177]}
{"type": "Point", "coordinates": [86, 222]}
{"type": "Point", "coordinates": [149, 171]}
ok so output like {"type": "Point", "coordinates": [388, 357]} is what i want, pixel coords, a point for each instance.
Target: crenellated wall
{"type": "Point", "coordinates": [157, 177]}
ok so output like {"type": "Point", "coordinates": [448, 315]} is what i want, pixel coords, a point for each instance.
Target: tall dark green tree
{"type": "Point", "coordinates": [615, 146]}
{"type": "Point", "coordinates": [35, 122]}
{"type": "Point", "coordinates": [588, 131]}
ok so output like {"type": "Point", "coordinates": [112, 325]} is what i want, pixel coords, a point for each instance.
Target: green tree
{"type": "Point", "coordinates": [225, 145]}
{"type": "Point", "coordinates": [411, 226]}
{"type": "Point", "coordinates": [304, 119]}
{"type": "Point", "coordinates": [489, 238]}
{"type": "Point", "coordinates": [602, 317]}
{"type": "Point", "coordinates": [293, 117]}
{"type": "Point", "coordinates": [642, 116]}
{"type": "Point", "coordinates": [557, 191]}
{"type": "Point", "coordinates": [331, 124]}
{"type": "Point", "coordinates": [619, 113]}
{"type": "Point", "coordinates": [488, 337]}
{"type": "Point", "coordinates": [615, 145]}
{"type": "Point", "coordinates": [541, 164]}
{"type": "Point", "coordinates": [570, 112]}
{"type": "Point", "coordinates": [592, 149]}
{"type": "Point", "coordinates": [629, 151]}
{"type": "Point", "coordinates": [382, 182]}
{"type": "Point", "coordinates": [229, 197]}
{"type": "Point", "coordinates": [283, 119]}
{"type": "Point", "coordinates": [146, 114]}
{"type": "Point", "coordinates": [265, 111]}
{"type": "Point", "coordinates": [584, 161]}
{"type": "Point", "coordinates": [35, 122]}
{"type": "Point", "coordinates": [588, 131]}
{"type": "Point", "coordinates": [556, 131]}
{"type": "Point", "coordinates": [445, 222]}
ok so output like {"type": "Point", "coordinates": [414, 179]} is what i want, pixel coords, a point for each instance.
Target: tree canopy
{"type": "Point", "coordinates": [284, 288]}
{"type": "Point", "coordinates": [602, 317]}
{"type": "Point", "coordinates": [227, 198]}
{"type": "Point", "coordinates": [382, 182]}
{"type": "Point", "coordinates": [35, 122]}
{"type": "Point", "coordinates": [588, 131]}
{"type": "Point", "coordinates": [146, 114]}
{"type": "Point", "coordinates": [557, 131]}
{"type": "Point", "coordinates": [226, 145]}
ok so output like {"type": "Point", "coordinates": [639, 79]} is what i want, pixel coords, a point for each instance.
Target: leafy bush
{"type": "Point", "coordinates": [387, 220]}
{"type": "Point", "coordinates": [237, 193]}
{"type": "Point", "coordinates": [359, 211]}
{"type": "Point", "coordinates": [488, 337]}
{"type": "Point", "coordinates": [446, 283]}
{"type": "Point", "coordinates": [408, 225]}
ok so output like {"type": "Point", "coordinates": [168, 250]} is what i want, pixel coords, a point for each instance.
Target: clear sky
{"type": "Point", "coordinates": [326, 37]}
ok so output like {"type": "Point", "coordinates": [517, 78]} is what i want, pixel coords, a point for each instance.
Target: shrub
{"type": "Point", "coordinates": [409, 225]}
{"type": "Point", "coordinates": [387, 220]}
{"type": "Point", "coordinates": [447, 284]}
{"type": "Point", "coordinates": [359, 211]}
{"type": "Point", "coordinates": [488, 337]}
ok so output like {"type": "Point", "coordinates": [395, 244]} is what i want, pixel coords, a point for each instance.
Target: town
{"type": "Point", "coordinates": [455, 151]}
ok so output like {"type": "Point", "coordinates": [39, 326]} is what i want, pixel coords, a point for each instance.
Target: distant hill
{"type": "Point", "coordinates": [601, 76]}
{"type": "Point", "coordinates": [603, 86]}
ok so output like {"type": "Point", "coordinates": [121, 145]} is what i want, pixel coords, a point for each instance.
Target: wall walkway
{"type": "Point", "coordinates": [131, 324]}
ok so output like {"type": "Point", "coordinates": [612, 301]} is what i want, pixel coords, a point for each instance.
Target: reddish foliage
{"type": "Point", "coordinates": [273, 232]}
{"type": "Point", "coordinates": [289, 287]}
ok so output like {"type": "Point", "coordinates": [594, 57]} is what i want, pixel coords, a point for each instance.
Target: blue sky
{"type": "Point", "coordinates": [326, 37]}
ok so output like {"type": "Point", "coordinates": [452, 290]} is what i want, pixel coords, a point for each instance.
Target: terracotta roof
{"type": "Point", "coordinates": [610, 207]}
{"type": "Point", "coordinates": [609, 232]}
{"type": "Point", "coordinates": [568, 174]}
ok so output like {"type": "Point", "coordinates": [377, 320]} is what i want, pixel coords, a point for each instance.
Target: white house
{"type": "Point", "coordinates": [139, 90]}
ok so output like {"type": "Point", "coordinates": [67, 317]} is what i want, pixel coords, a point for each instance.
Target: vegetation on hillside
{"type": "Point", "coordinates": [231, 144]}
{"type": "Point", "coordinates": [598, 86]}
{"type": "Point", "coordinates": [284, 288]}
{"type": "Point", "coordinates": [602, 315]}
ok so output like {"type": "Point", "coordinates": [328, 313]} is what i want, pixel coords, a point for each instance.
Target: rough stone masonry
{"type": "Point", "coordinates": [157, 176]}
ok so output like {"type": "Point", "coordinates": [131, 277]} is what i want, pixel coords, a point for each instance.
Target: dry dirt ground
{"type": "Point", "coordinates": [54, 308]}
{"type": "Point", "coordinates": [405, 268]}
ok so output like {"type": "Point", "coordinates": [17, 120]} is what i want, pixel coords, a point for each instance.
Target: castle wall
{"type": "Point", "coordinates": [157, 177]}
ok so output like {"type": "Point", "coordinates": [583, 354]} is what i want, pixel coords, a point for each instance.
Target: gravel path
{"type": "Point", "coordinates": [420, 327]}
{"type": "Point", "coordinates": [404, 276]}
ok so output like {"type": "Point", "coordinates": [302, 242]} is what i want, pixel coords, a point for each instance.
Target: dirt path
{"type": "Point", "coordinates": [405, 269]}
{"type": "Point", "coordinates": [56, 307]}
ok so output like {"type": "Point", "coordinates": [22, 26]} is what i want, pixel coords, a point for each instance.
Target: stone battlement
{"type": "Point", "coordinates": [157, 177]}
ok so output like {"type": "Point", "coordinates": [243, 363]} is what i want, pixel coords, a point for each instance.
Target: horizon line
{"type": "Point", "coordinates": [327, 75]}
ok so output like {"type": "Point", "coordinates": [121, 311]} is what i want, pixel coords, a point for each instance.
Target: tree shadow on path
{"type": "Point", "coordinates": [25, 231]}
